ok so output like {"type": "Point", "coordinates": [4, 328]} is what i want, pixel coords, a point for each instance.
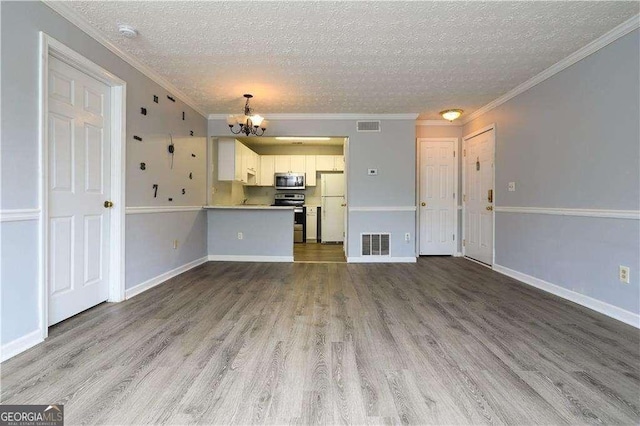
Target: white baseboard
{"type": "Point", "coordinates": [20, 344]}
{"type": "Point", "coordinates": [134, 291]}
{"type": "Point", "coordinates": [243, 258]}
{"type": "Point", "coordinates": [381, 259]}
{"type": "Point", "coordinates": [586, 301]}
{"type": "Point", "coordinates": [458, 254]}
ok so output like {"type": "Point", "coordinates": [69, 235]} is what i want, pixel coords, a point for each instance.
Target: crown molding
{"type": "Point", "coordinates": [621, 30]}
{"type": "Point", "coordinates": [67, 12]}
{"type": "Point", "coordinates": [410, 116]}
{"type": "Point", "coordinates": [438, 123]}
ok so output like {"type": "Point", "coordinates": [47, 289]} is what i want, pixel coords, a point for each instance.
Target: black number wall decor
{"type": "Point", "coordinates": [183, 191]}
{"type": "Point", "coordinates": [170, 98]}
{"type": "Point", "coordinates": [155, 190]}
{"type": "Point", "coordinates": [143, 166]}
{"type": "Point", "coordinates": [170, 199]}
{"type": "Point", "coordinates": [190, 175]}
{"type": "Point", "coordinates": [143, 111]}
{"type": "Point", "coordinates": [191, 133]}
{"type": "Point", "coordinates": [138, 138]}
{"type": "Point", "coordinates": [182, 115]}
{"type": "Point", "coordinates": [193, 155]}
{"type": "Point", "coordinates": [155, 99]}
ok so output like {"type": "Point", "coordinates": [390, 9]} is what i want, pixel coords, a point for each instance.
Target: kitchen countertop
{"type": "Point", "coordinates": [249, 207]}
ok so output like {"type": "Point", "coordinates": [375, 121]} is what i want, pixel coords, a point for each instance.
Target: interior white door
{"type": "Point", "coordinates": [478, 197]}
{"type": "Point", "coordinates": [437, 198]}
{"type": "Point", "coordinates": [79, 184]}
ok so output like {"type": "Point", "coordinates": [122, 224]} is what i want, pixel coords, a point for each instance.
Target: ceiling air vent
{"type": "Point", "coordinates": [375, 244]}
{"type": "Point", "coordinates": [369, 126]}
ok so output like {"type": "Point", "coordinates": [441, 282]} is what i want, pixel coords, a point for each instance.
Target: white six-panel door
{"type": "Point", "coordinates": [478, 197]}
{"type": "Point", "coordinates": [437, 200]}
{"type": "Point", "coordinates": [79, 184]}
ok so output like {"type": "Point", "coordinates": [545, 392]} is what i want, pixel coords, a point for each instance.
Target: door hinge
{"type": "Point", "coordinates": [464, 242]}
{"type": "Point", "coordinates": [454, 154]}
{"type": "Point", "coordinates": [465, 152]}
{"type": "Point", "coordinates": [454, 237]}
{"type": "Point", "coordinates": [464, 198]}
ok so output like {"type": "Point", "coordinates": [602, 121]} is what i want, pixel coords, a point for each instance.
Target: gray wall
{"type": "Point", "coordinates": [392, 152]}
{"type": "Point", "coordinates": [573, 141]}
{"type": "Point", "coordinates": [265, 232]}
{"type": "Point", "coordinates": [21, 22]}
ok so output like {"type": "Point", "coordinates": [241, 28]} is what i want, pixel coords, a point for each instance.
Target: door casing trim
{"type": "Point", "coordinates": [493, 177]}
{"type": "Point", "coordinates": [51, 46]}
{"type": "Point", "coordinates": [455, 141]}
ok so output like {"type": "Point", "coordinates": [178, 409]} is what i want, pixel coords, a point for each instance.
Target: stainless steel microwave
{"type": "Point", "coordinates": [289, 180]}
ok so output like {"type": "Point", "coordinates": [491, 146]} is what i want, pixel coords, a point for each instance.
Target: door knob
{"type": "Point", "coordinates": [108, 204]}
{"type": "Point", "coordinates": [423, 204]}
{"type": "Point", "coordinates": [343, 204]}
{"type": "Point", "coordinates": [489, 208]}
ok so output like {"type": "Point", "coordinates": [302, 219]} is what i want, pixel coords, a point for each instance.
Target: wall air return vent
{"type": "Point", "coordinates": [369, 126]}
{"type": "Point", "coordinates": [375, 244]}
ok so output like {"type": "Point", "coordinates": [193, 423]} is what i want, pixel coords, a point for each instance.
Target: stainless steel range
{"type": "Point", "coordinates": [299, 214]}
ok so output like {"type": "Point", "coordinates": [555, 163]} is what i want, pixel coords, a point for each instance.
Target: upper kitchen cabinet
{"type": "Point", "coordinates": [267, 170]}
{"type": "Point", "coordinates": [310, 170]}
{"type": "Point", "coordinates": [236, 162]}
{"type": "Point", "coordinates": [330, 163]}
{"type": "Point", "coordinates": [290, 164]}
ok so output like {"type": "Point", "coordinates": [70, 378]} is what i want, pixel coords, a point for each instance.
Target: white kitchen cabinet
{"type": "Point", "coordinates": [267, 170]}
{"type": "Point", "coordinates": [310, 170]}
{"type": "Point", "coordinates": [289, 163]}
{"type": "Point", "coordinates": [297, 163]}
{"type": "Point", "coordinates": [312, 223]}
{"type": "Point", "coordinates": [234, 160]}
{"type": "Point", "coordinates": [329, 163]}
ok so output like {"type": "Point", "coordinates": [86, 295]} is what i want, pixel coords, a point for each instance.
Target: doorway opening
{"type": "Point", "coordinates": [310, 175]}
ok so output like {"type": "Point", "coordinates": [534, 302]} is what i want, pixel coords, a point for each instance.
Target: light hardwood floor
{"type": "Point", "coordinates": [444, 341]}
{"type": "Point", "coordinates": [317, 252]}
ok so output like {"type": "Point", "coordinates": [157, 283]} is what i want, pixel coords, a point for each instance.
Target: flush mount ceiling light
{"type": "Point", "coordinates": [304, 138]}
{"type": "Point", "coordinates": [451, 114]}
{"type": "Point", "coordinates": [249, 124]}
{"type": "Point", "coordinates": [128, 31]}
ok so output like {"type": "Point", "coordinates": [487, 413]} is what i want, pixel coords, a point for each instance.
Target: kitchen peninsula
{"type": "Point", "coordinates": [250, 233]}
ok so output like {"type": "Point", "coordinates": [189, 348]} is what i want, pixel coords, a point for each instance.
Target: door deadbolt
{"type": "Point", "coordinates": [424, 204]}
{"type": "Point", "coordinates": [108, 204]}
{"type": "Point", "coordinates": [489, 208]}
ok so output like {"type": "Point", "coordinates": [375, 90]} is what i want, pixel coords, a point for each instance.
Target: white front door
{"type": "Point", "coordinates": [437, 197]}
{"type": "Point", "coordinates": [478, 197]}
{"type": "Point", "coordinates": [79, 184]}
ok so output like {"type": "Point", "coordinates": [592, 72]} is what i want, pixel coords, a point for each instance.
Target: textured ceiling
{"type": "Point", "coordinates": [352, 57]}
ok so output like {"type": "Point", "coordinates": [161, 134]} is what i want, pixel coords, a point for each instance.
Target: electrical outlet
{"type": "Point", "coordinates": [511, 187]}
{"type": "Point", "coordinates": [240, 236]}
{"type": "Point", "coordinates": [623, 274]}
{"type": "Point", "coordinates": [175, 244]}
{"type": "Point", "coordinates": [407, 237]}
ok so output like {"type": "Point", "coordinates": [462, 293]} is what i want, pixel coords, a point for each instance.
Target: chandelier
{"type": "Point", "coordinates": [249, 124]}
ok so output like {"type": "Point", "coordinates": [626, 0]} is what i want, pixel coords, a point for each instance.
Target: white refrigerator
{"type": "Point", "coordinates": [332, 220]}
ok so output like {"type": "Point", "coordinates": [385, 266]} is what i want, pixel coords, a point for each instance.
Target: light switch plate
{"type": "Point", "coordinates": [372, 172]}
{"type": "Point", "coordinates": [512, 186]}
